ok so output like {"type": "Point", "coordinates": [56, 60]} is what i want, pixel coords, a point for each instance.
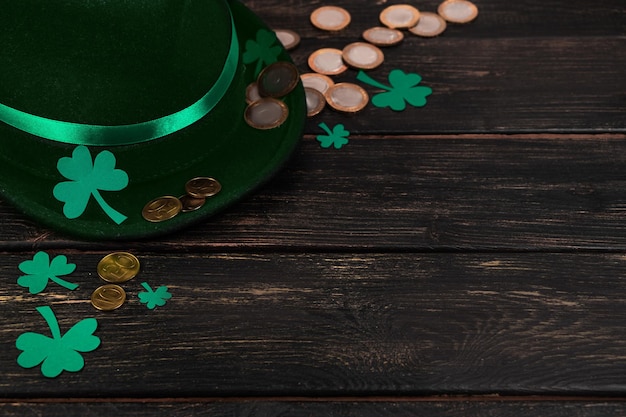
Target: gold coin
{"type": "Point", "coordinates": [118, 267]}
{"type": "Point", "coordinates": [161, 209]}
{"type": "Point", "coordinates": [315, 101]}
{"type": "Point", "coordinates": [252, 93]}
{"type": "Point", "coordinates": [362, 55]}
{"type": "Point", "coordinates": [191, 203]}
{"type": "Point", "coordinates": [108, 297]}
{"type": "Point", "coordinates": [399, 16]}
{"type": "Point", "coordinates": [203, 187]}
{"type": "Point", "coordinates": [347, 97]}
{"type": "Point", "coordinates": [330, 18]}
{"type": "Point", "coordinates": [383, 36]}
{"type": "Point", "coordinates": [458, 11]}
{"type": "Point", "coordinates": [429, 25]}
{"type": "Point", "coordinates": [327, 61]}
{"type": "Point", "coordinates": [278, 79]}
{"type": "Point", "coordinates": [320, 82]}
{"type": "Point", "coordinates": [266, 113]}
{"type": "Point", "coordinates": [288, 38]}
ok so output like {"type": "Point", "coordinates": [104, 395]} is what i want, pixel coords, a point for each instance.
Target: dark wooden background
{"type": "Point", "coordinates": [467, 258]}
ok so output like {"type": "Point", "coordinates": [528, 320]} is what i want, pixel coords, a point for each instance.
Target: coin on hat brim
{"type": "Point", "coordinates": [118, 267]}
{"type": "Point", "coordinates": [191, 203]}
{"type": "Point", "coordinates": [108, 297]}
{"type": "Point", "coordinates": [315, 101]}
{"type": "Point", "coordinates": [383, 36]}
{"type": "Point", "coordinates": [288, 38]}
{"type": "Point", "coordinates": [331, 18]}
{"type": "Point", "coordinates": [277, 79]}
{"type": "Point", "coordinates": [399, 16]}
{"type": "Point", "coordinates": [458, 11]}
{"type": "Point", "coordinates": [203, 187]}
{"type": "Point", "coordinates": [266, 113]}
{"type": "Point", "coordinates": [320, 82]}
{"type": "Point", "coordinates": [347, 97]}
{"type": "Point", "coordinates": [429, 25]}
{"type": "Point", "coordinates": [362, 55]}
{"type": "Point", "coordinates": [161, 209]}
{"type": "Point", "coordinates": [327, 61]}
{"type": "Point", "coordinates": [252, 92]}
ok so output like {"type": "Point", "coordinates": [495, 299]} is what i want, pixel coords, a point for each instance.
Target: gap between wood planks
{"type": "Point", "coordinates": [489, 136]}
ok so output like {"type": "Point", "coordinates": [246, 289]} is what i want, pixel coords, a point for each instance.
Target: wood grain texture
{"type": "Point", "coordinates": [333, 324]}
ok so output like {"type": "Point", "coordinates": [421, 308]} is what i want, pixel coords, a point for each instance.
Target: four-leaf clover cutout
{"type": "Point", "coordinates": [404, 89]}
{"type": "Point", "coordinates": [154, 298]}
{"type": "Point", "coordinates": [39, 270]}
{"type": "Point", "coordinates": [61, 352]}
{"type": "Point", "coordinates": [336, 137]}
{"type": "Point", "coordinates": [86, 179]}
{"type": "Point", "coordinates": [264, 50]}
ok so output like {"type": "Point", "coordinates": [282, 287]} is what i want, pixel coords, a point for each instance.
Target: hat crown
{"type": "Point", "coordinates": [110, 62]}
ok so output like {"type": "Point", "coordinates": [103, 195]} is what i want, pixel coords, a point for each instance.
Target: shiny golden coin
{"type": "Point", "coordinates": [319, 82]}
{"type": "Point", "coordinates": [327, 61]}
{"type": "Point", "coordinates": [278, 79]}
{"type": "Point", "coordinates": [458, 11]}
{"type": "Point", "coordinates": [315, 101]}
{"type": "Point", "coordinates": [429, 25]}
{"type": "Point", "coordinates": [399, 16]}
{"type": "Point", "coordinates": [288, 38]}
{"type": "Point", "coordinates": [347, 97]}
{"type": "Point", "coordinates": [161, 209]}
{"type": "Point", "coordinates": [108, 297]}
{"type": "Point", "coordinates": [118, 267]}
{"type": "Point", "coordinates": [383, 36]}
{"type": "Point", "coordinates": [362, 55]}
{"type": "Point", "coordinates": [330, 18]}
{"type": "Point", "coordinates": [203, 187]}
{"type": "Point", "coordinates": [266, 113]}
{"type": "Point", "coordinates": [252, 93]}
{"type": "Point", "coordinates": [191, 203]}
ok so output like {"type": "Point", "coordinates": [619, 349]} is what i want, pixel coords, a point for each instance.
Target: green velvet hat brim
{"type": "Point", "coordinates": [221, 145]}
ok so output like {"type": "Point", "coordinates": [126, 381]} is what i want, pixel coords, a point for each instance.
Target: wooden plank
{"type": "Point", "coordinates": [285, 324]}
{"type": "Point", "coordinates": [412, 194]}
{"type": "Point", "coordinates": [305, 408]}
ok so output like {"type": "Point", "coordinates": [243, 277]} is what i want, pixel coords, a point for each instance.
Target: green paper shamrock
{"type": "Point", "coordinates": [264, 50]}
{"type": "Point", "coordinates": [86, 178]}
{"type": "Point", "coordinates": [337, 137]}
{"type": "Point", "coordinates": [39, 270]}
{"type": "Point", "coordinates": [154, 298]}
{"type": "Point", "coordinates": [59, 353]}
{"type": "Point", "coordinates": [404, 89]}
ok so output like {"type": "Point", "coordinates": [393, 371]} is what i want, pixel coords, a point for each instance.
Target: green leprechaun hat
{"type": "Point", "coordinates": [109, 109]}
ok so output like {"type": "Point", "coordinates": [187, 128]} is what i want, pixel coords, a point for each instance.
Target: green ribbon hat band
{"type": "Point", "coordinates": [99, 135]}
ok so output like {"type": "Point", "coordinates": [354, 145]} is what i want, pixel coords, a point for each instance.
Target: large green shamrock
{"type": "Point", "coordinates": [40, 269]}
{"type": "Point", "coordinates": [337, 137]}
{"type": "Point", "coordinates": [404, 88]}
{"type": "Point", "coordinates": [154, 298]}
{"type": "Point", "coordinates": [264, 50]}
{"type": "Point", "coordinates": [86, 178]}
{"type": "Point", "coordinates": [59, 353]}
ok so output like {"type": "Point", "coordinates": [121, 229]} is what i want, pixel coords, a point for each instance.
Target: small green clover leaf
{"type": "Point", "coordinates": [264, 50]}
{"type": "Point", "coordinates": [39, 270]}
{"type": "Point", "coordinates": [404, 89]}
{"type": "Point", "coordinates": [337, 137]}
{"type": "Point", "coordinates": [154, 298]}
{"type": "Point", "coordinates": [86, 178]}
{"type": "Point", "coordinates": [59, 353]}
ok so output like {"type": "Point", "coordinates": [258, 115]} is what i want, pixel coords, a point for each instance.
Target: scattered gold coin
{"type": "Point", "coordinates": [203, 187]}
{"type": "Point", "coordinates": [319, 82]}
{"type": "Point", "coordinates": [458, 11]}
{"type": "Point", "coordinates": [277, 79]}
{"type": "Point", "coordinates": [191, 203]}
{"type": "Point", "coordinates": [315, 101]}
{"type": "Point", "coordinates": [118, 267]}
{"type": "Point", "coordinates": [161, 209]}
{"type": "Point", "coordinates": [347, 97]}
{"type": "Point", "coordinates": [383, 36]}
{"type": "Point", "coordinates": [252, 93]}
{"type": "Point", "coordinates": [330, 18]}
{"type": "Point", "coordinates": [362, 55]}
{"type": "Point", "coordinates": [429, 25]}
{"type": "Point", "coordinates": [108, 297]}
{"type": "Point", "coordinates": [266, 113]}
{"type": "Point", "coordinates": [288, 38]}
{"type": "Point", "coordinates": [399, 16]}
{"type": "Point", "coordinates": [327, 61]}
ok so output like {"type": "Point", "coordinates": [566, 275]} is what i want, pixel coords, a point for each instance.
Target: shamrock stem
{"type": "Point", "coordinates": [147, 286]}
{"type": "Point", "coordinates": [115, 215]}
{"type": "Point", "coordinates": [48, 315]}
{"type": "Point", "coordinates": [326, 128]}
{"type": "Point", "coordinates": [66, 284]}
{"type": "Point", "coordinates": [363, 77]}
